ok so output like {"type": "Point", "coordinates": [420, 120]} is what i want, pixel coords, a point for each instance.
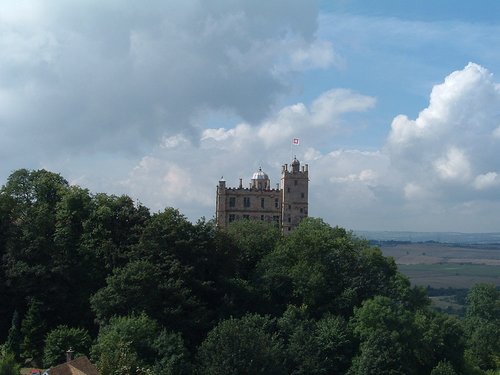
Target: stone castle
{"type": "Point", "coordinates": [286, 205]}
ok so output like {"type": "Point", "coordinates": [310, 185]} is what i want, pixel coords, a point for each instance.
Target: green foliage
{"type": "Point", "coordinates": [62, 338]}
{"type": "Point", "coordinates": [8, 364]}
{"type": "Point", "coordinates": [315, 347]}
{"type": "Point", "coordinates": [134, 288]}
{"type": "Point", "coordinates": [172, 356]}
{"type": "Point", "coordinates": [443, 368]}
{"type": "Point", "coordinates": [325, 268]}
{"type": "Point", "coordinates": [135, 342]}
{"type": "Point", "coordinates": [33, 330]}
{"type": "Point", "coordinates": [441, 339]}
{"type": "Point", "coordinates": [483, 302]}
{"type": "Point", "coordinates": [482, 323]}
{"type": "Point", "coordinates": [13, 342]}
{"type": "Point", "coordinates": [149, 282]}
{"type": "Point", "coordinates": [252, 240]}
{"type": "Point", "coordinates": [381, 353]}
{"type": "Point", "coordinates": [242, 346]}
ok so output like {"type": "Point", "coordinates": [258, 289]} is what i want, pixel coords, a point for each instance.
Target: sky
{"type": "Point", "coordinates": [396, 104]}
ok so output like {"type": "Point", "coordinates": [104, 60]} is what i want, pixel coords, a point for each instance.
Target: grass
{"type": "Point", "coordinates": [443, 275]}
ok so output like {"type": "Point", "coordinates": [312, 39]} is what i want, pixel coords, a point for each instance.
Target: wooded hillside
{"type": "Point", "coordinates": [143, 293]}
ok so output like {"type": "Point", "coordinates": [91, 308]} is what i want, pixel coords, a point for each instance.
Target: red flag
{"type": "Point", "coordinates": [296, 141]}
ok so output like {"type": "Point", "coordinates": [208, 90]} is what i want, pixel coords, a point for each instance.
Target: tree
{"type": "Point", "coordinates": [328, 269]}
{"type": "Point", "coordinates": [482, 325]}
{"type": "Point", "coordinates": [388, 335]}
{"type": "Point", "coordinates": [252, 240]}
{"type": "Point", "coordinates": [112, 231]}
{"type": "Point", "coordinates": [248, 345]}
{"type": "Point", "coordinates": [135, 342]}
{"type": "Point", "coordinates": [33, 330]}
{"type": "Point", "coordinates": [13, 343]}
{"type": "Point", "coordinates": [8, 364]}
{"type": "Point", "coordinates": [381, 353]}
{"type": "Point", "coordinates": [483, 302]}
{"type": "Point", "coordinates": [62, 338]}
{"type": "Point", "coordinates": [32, 197]}
{"type": "Point", "coordinates": [315, 347]}
{"type": "Point", "coordinates": [443, 368]}
{"type": "Point", "coordinates": [441, 340]}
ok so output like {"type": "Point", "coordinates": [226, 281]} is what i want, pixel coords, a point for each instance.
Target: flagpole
{"type": "Point", "coordinates": [295, 142]}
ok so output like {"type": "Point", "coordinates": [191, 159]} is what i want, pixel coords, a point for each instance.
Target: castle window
{"type": "Point", "coordinates": [232, 201]}
{"type": "Point", "coordinates": [295, 182]}
{"type": "Point", "coordinates": [231, 218]}
{"type": "Point", "coordinates": [288, 190]}
{"type": "Point", "coordinates": [246, 217]}
{"type": "Point", "coordinates": [302, 195]}
{"type": "Point", "coordinates": [289, 219]}
{"type": "Point", "coordinates": [261, 217]}
{"type": "Point", "coordinates": [289, 206]}
{"type": "Point", "coordinates": [246, 202]}
{"type": "Point", "coordinates": [262, 202]}
{"type": "Point", "coordinates": [276, 204]}
{"type": "Point", "coordinates": [301, 210]}
{"type": "Point", "coordinates": [276, 218]}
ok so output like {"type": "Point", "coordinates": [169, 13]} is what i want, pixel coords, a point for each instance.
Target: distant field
{"type": "Point", "coordinates": [451, 275]}
{"type": "Point", "coordinates": [442, 265]}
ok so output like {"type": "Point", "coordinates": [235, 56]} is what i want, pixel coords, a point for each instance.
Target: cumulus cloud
{"type": "Point", "coordinates": [486, 181]}
{"type": "Point", "coordinates": [450, 141]}
{"type": "Point", "coordinates": [93, 76]}
{"type": "Point", "coordinates": [444, 163]}
{"type": "Point", "coordinates": [434, 173]}
{"type": "Point", "coordinates": [453, 166]}
{"type": "Point", "coordinates": [323, 114]}
{"type": "Point", "coordinates": [164, 99]}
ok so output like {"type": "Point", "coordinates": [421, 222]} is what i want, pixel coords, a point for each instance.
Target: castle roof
{"type": "Point", "coordinates": [260, 175]}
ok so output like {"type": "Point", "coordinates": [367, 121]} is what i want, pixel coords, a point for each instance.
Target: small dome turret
{"type": "Point", "coordinates": [260, 180]}
{"type": "Point", "coordinates": [260, 175]}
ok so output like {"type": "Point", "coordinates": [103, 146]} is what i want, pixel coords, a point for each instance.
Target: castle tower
{"type": "Point", "coordinates": [294, 195]}
{"type": "Point", "coordinates": [220, 204]}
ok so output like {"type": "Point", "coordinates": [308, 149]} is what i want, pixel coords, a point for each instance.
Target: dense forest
{"type": "Point", "coordinates": [152, 293]}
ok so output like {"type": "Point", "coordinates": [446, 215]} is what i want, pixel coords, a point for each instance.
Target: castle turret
{"type": "Point", "coordinates": [220, 218]}
{"type": "Point", "coordinates": [294, 192]}
{"type": "Point", "coordinates": [260, 181]}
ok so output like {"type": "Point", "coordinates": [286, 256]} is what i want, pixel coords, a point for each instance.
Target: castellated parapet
{"type": "Point", "coordinates": [286, 206]}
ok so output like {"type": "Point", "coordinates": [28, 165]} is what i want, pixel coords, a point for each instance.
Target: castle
{"type": "Point", "coordinates": [286, 206]}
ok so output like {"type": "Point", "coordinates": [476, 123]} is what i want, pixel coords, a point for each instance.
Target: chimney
{"type": "Point", "coordinates": [69, 354]}
{"type": "Point", "coordinates": [241, 183]}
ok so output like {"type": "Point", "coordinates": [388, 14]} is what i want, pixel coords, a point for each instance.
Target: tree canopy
{"type": "Point", "coordinates": [148, 293]}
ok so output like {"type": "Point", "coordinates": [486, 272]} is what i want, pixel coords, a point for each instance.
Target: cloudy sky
{"type": "Point", "coordinates": [396, 104]}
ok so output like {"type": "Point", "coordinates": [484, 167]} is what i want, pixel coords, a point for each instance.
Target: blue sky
{"type": "Point", "coordinates": [396, 103]}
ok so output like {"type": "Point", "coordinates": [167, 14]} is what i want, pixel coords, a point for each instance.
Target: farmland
{"type": "Point", "coordinates": [446, 265]}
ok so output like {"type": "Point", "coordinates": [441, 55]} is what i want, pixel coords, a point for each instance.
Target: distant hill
{"type": "Point", "coordinates": [441, 237]}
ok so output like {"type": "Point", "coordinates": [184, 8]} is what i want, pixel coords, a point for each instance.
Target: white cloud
{"type": "Point", "coordinates": [119, 98]}
{"type": "Point", "coordinates": [324, 113]}
{"type": "Point", "coordinates": [333, 103]}
{"type": "Point", "coordinates": [317, 55]}
{"type": "Point", "coordinates": [486, 181]}
{"type": "Point", "coordinates": [415, 192]}
{"type": "Point", "coordinates": [450, 141]}
{"type": "Point", "coordinates": [107, 76]}
{"type": "Point", "coordinates": [453, 166]}
{"type": "Point", "coordinates": [496, 133]}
